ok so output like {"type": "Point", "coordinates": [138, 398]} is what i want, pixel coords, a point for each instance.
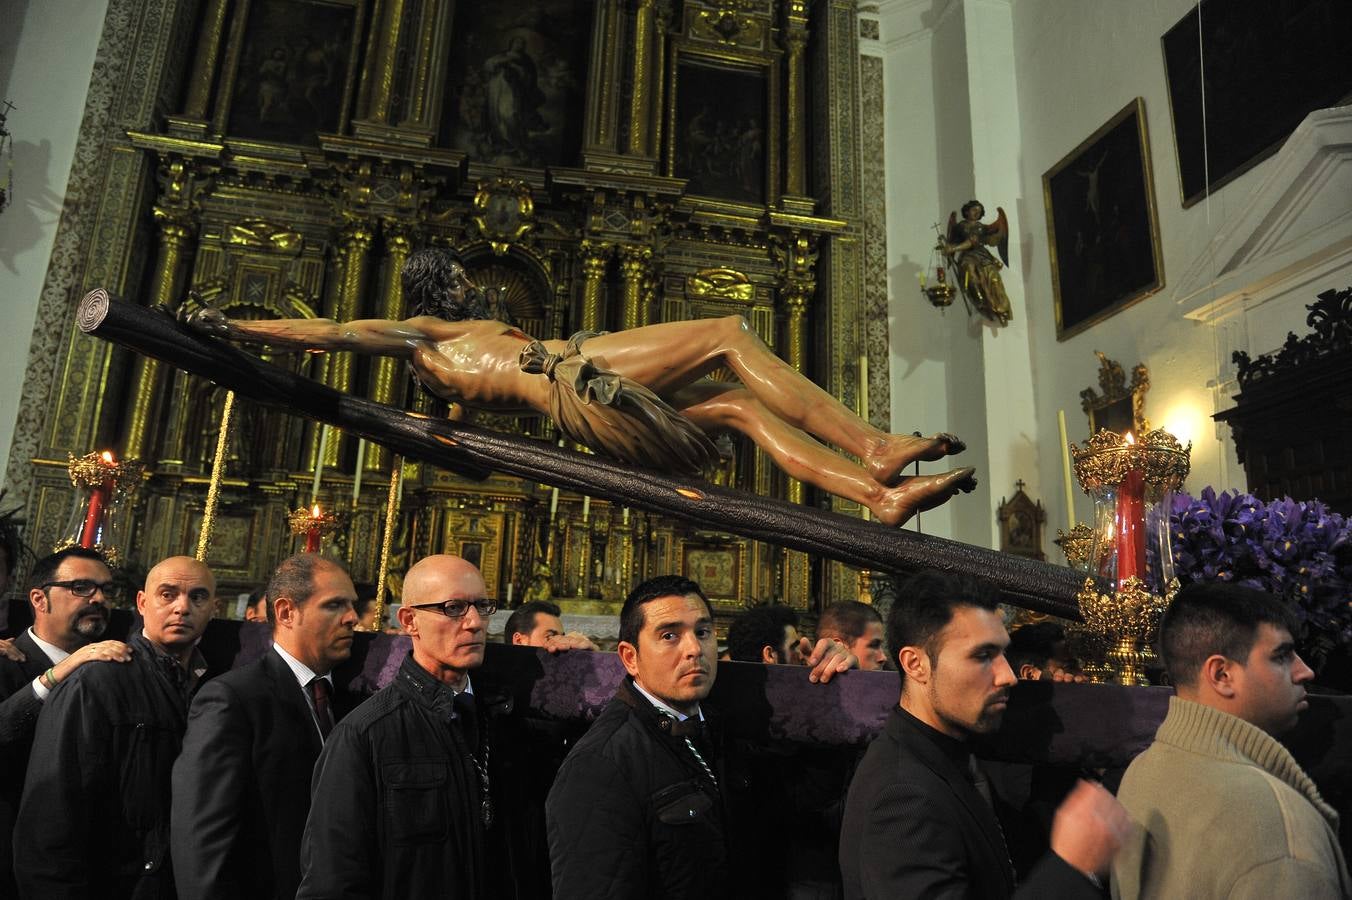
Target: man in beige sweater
{"type": "Point", "coordinates": [1224, 810]}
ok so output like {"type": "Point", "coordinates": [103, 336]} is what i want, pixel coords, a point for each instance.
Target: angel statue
{"type": "Point", "coordinates": [640, 395]}
{"type": "Point", "coordinates": [978, 271]}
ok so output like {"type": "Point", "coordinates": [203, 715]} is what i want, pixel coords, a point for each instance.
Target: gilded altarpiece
{"type": "Point", "coordinates": [282, 158]}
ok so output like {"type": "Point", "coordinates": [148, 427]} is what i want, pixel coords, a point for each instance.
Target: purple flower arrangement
{"type": "Point", "coordinates": [1298, 550]}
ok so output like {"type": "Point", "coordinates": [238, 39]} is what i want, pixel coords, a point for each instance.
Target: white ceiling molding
{"type": "Point", "coordinates": [1295, 230]}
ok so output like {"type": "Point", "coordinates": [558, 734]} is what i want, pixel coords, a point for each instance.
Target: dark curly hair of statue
{"type": "Point", "coordinates": [970, 204]}
{"type": "Point", "coordinates": [428, 277]}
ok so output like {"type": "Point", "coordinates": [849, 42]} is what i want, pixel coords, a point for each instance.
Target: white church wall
{"type": "Point", "coordinates": [983, 97]}
{"type": "Point", "coordinates": [46, 57]}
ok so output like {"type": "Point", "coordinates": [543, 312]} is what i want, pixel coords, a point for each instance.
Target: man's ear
{"type": "Point", "coordinates": [1029, 672]}
{"type": "Point", "coordinates": [141, 603]}
{"type": "Point", "coordinates": [629, 656]}
{"type": "Point", "coordinates": [768, 655]}
{"type": "Point", "coordinates": [38, 597]}
{"type": "Point", "coordinates": [284, 611]}
{"type": "Point", "coordinates": [914, 664]}
{"type": "Point", "coordinates": [520, 639]}
{"type": "Point", "coordinates": [1218, 676]}
{"type": "Point", "coordinates": [406, 620]}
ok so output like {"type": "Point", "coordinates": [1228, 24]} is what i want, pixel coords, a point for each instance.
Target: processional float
{"type": "Point", "coordinates": [476, 452]}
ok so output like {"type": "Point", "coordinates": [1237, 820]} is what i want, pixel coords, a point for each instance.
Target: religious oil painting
{"type": "Point", "coordinates": [720, 141]}
{"type": "Point", "coordinates": [1243, 74]}
{"type": "Point", "coordinates": [516, 81]}
{"type": "Point", "coordinates": [294, 70]}
{"type": "Point", "coordinates": [1103, 233]}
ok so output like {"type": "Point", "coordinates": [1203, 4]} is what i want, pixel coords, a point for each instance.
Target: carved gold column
{"type": "Point", "coordinates": [796, 295]}
{"type": "Point", "coordinates": [354, 246]}
{"type": "Point", "coordinates": [208, 54]}
{"type": "Point", "coordinates": [387, 58]}
{"type": "Point", "coordinates": [386, 370]}
{"type": "Point", "coordinates": [795, 138]}
{"type": "Point", "coordinates": [634, 263]}
{"type": "Point", "coordinates": [595, 255]}
{"type": "Point", "coordinates": [166, 284]}
{"type": "Point", "coordinates": [638, 98]}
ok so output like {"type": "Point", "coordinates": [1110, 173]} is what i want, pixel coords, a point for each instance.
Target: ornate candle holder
{"type": "Point", "coordinates": [315, 524]}
{"type": "Point", "coordinates": [1130, 564]}
{"type": "Point", "coordinates": [98, 517]}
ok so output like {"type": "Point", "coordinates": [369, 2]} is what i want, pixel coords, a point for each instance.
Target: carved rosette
{"type": "Point", "coordinates": [503, 211]}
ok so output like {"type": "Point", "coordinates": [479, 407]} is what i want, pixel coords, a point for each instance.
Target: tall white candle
{"type": "Point", "coordinates": [356, 480]}
{"type": "Point", "coordinates": [319, 463]}
{"type": "Point", "coordinates": [553, 502]}
{"type": "Point", "coordinates": [509, 595]}
{"type": "Point", "coordinates": [1065, 469]}
{"type": "Point", "coordinates": [586, 508]}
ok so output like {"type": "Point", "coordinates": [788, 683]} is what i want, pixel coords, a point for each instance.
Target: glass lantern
{"type": "Point", "coordinates": [100, 515]}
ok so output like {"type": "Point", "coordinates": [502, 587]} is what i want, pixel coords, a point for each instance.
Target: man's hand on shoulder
{"type": "Point", "coordinates": [1089, 828]}
{"type": "Point", "coordinates": [573, 640]}
{"type": "Point", "coordinates": [104, 651]}
{"type": "Point", "coordinates": [827, 658]}
{"type": "Point", "coordinates": [10, 651]}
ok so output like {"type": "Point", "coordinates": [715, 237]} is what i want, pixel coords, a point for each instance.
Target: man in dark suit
{"type": "Point", "coordinates": [68, 594]}
{"type": "Point", "coordinates": [919, 820]}
{"type": "Point", "coordinates": [241, 786]}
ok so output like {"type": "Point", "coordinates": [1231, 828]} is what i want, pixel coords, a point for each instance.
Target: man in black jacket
{"type": "Point", "coordinates": [68, 594]}
{"type": "Point", "coordinates": [401, 801]}
{"type": "Point", "coordinates": [919, 820]}
{"type": "Point", "coordinates": [241, 786]}
{"type": "Point", "coordinates": [636, 811]}
{"type": "Point", "coordinates": [94, 818]}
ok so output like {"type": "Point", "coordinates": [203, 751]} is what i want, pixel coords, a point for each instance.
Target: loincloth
{"type": "Point", "coordinates": [616, 415]}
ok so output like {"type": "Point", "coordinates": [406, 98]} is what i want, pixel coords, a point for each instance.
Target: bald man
{"type": "Point", "coordinates": [401, 804]}
{"type": "Point", "coordinates": [94, 820]}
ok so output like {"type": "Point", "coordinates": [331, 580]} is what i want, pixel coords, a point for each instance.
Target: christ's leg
{"type": "Point", "coordinates": [670, 356]}
{"type": "Point", "coordinates": [714, 406]}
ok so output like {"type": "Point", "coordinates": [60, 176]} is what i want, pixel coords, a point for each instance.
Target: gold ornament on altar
{"type": "Point", "coordinates": [97, 520]}
{"type": "Point", "coordinates": [315, 524]}
{"type": "Point", "coordinates": [1130, 561]}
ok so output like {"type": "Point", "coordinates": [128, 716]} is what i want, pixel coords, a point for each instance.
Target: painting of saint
{"type": "Point", "coordinates": [515, 84]}
{"type": "Point", "coordinates": [720, 141]}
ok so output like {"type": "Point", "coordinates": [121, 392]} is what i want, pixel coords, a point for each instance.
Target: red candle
{"type": "Point", "coordinates": [1130, 526]}
{"type": "Point", "coordinates": [93, 522]}
{"type": "Point", "coordinates": [312, 540]}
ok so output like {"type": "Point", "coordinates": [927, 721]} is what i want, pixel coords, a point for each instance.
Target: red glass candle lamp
{"type": "Point", "coordinates": [98, 517]}
{"type": "Point", "coordinates": [1130, 563]}
{"type": "Point", "coordinates": [314, 525]}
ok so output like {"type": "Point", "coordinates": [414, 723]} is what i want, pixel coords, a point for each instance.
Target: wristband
{"type": "Point", "coordinates": [48, 680]}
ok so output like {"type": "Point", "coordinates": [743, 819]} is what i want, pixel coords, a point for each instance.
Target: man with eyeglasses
{"type": "Point", "coordinates": [94, 819]}
{"type": "Point", "coordinates": [69, 592]}
{"type": "Point", "coordinates": [402, 803]}
{"type": "Point", "coordinates": [241, 786]}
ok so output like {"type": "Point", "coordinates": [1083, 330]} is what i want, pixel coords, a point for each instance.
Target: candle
{"type": "Point", "coordinates": [312, 535]}
{"type": "Point", "coordinates": [98, 499]}
{"type": "Point", "coordinates": [509, 595]}
{"type": "Point", "coordinates": [553, 502]}
{"type": "Point", "coordinates": [319, 463]}
{"type": "Point", "coordinates": [1129, 523]}
{"type": "Point", "coordinates": [1065, 470]}
{"type": "Point", "coordinates": [356, 480]}
{"type": "Point", "coordinates": [625, 515]}
{"type": "Point", "coordinates": [586, 508]}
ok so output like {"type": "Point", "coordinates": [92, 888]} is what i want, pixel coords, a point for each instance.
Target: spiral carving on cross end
{"type": "Point", "coordinates": [93, 309]}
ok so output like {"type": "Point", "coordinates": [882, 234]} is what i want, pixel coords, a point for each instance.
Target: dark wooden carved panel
{"type": "Point", "coordinates": [1292, 421]}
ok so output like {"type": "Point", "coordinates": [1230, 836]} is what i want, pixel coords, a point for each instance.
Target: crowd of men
{"type": "Point", "coordinates": [128, 770]}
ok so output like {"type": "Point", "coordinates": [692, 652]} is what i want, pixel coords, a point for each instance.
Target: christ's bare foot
{"type": "Point", "coordinates": [919, 493]}
{"type": "Point", "coordinates": [887, 460]}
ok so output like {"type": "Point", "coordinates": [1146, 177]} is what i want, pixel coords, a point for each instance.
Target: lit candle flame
{"type": "Point", "coordinates": [108, 457]}
{"type": "Point", "coordinates": [314, 511]}
{"type": "Point", "coordinates": [1130, 439]}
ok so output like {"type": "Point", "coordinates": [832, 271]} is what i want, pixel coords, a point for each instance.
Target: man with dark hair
{"type": "Point", "coordinates": [636, 810]}
{"type": "Point", "coordinates": [241, 786]}
{"type": "Point", "coordinates": [766, 634]}
{"type": "Point", "coordinates": [1037, 652]}
{"type": "Point", "coordinates": [402, 802]}
{"type": "Point", "coordinates": [256, 609]}
{"type": "Point", "coordinates": [1224, 810]}
{"type": "Point", "coordinates": [859, 627]}
{"type": "Point", "coordinates": [919, 820]}
{"type": "Point", "coordinates": [539, 623]}
{"type": "Point", "coordinates": [95, 810]}
{"type": "Point", "coordinates": [68, 596]}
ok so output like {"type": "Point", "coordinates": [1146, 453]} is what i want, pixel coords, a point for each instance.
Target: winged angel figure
{"type": "Point", "coordinates": [978, 270]}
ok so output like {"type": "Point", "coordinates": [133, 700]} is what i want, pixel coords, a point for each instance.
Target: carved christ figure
{"type": "Point", "coordinates": [639, 395]}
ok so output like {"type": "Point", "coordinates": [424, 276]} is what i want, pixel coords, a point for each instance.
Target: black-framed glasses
{"type": "Point", "coordinates": [85, 588]}
{"type": "Point", "coordinates": [454, 609]}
